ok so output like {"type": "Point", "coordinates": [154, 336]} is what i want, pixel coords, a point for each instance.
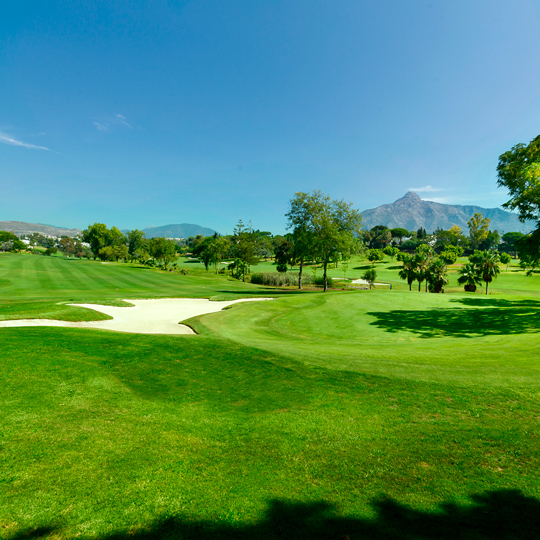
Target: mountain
{"type": "Point", "coordinates": [20, 227]}
{"type": "Point", "coordinates": [182, 230]}
{"type": "Point", "coordinates": [411, 213]}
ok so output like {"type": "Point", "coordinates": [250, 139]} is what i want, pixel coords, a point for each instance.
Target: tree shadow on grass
{"type": "Point", "coordinates": [496, 515]}
{"type": "Point", "coordinates": [502, 317]}
{"type": "Point", "coordinates": [496, 302]}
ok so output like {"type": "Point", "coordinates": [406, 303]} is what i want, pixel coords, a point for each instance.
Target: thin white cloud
{"type": "Point", "coordinates": [101, 127]}
{"type": "Point", "coordinates": [7, 139]}
{"type": "Point", "coordinates": [426, 189]}
{"type": "Point", "coordinates": [123, 121]}
{"type": "Point", "coordinates": [108, 124]}
{"type": "Point", "coordinates": [443, 200]}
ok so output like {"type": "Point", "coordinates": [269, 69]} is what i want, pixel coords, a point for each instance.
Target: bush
{"type": "Point", "coordinates": [275, 279]}
{"type": "Point", "coordinates": [319, 282]}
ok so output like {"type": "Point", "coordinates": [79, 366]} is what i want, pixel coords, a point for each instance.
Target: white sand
{"type": "Point", "coordinates": [157, 316]}
{"type": "Point", "coordinates": [364, 282]}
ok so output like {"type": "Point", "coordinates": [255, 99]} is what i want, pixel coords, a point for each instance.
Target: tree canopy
{"type": "Point", "coordinates": [519, 171]}
{"type": "Point", "coordinates": [327, 228]}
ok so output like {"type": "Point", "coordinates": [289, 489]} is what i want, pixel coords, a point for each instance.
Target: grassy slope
{"type": "Point", "coordinates": [459, 338]}
{"type": "Point", "coordinates": [227, 434]}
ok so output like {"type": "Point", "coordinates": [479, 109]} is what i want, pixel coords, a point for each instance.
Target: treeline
{"type": "Point", "coordinates": [479, 237]}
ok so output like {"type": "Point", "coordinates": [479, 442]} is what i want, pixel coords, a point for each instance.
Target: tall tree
{"type": "Point", "coordinates": [478, 230]}
{"type": "Point", "coordinates": [244, 247]}
{"type": "Point", "coordinates": [399, 233]}
{"type": "Point", "coordinates": [487, 264]}
{"type": "Point", "coordinates": [298, 219]}
{"type": "Point", "coordinates": [330, 225]}
{"type": "Point", "coordinates": [136, 242]}
{"type": "Point", "coordinates": [437, 275]}
{"type": "Point", "coordinates": [519, 171]}
{"type": "Point", "coordinates": [162, 250]}
{"type": "Point", "coordinates": [408, 271]}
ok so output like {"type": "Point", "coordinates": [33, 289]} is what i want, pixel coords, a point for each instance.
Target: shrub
{"type": "Point", "coordinates": [276, 279]}
{"type": "Point", "coordinates": [319, 282]}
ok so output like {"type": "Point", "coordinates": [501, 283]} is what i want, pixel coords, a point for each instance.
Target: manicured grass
{"type": "Point", "coordinates": [104, 433]}
{"type": "Point", "coordinates": [36, 284]}
{"type": "Point", "coordinates": [460, 338]}
{"type": "Point", "coordinates": [373, 414]}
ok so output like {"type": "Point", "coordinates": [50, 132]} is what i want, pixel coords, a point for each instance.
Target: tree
{"type": "Point", "coordinates": [381, 237]}
{"type": "Point", "coordinates": [408, 271]}
{"type": "Point", "coordinates": [391, 251]}
{"type": "Point", "coordinates": [333, 225]}
{"type": "Point", "coordinates": [136, 242]}
{"type": "Point", "coordinates": [244, 247]}
{"type": "Point", "coordinates": [449, 255]}
{"type": "Point", "coordinates": [509, 242]}
{"type": "Point", "coordinates": [114, 252]}
{"type": "Point", "coordinates": [528, 251]}
{"type": "Point", "coordinates": [487, 266]}
{"type": "Point", "coordinates": [469, 277]}
{"type": "Point", "coordinates": [162, 250]}
{"type": "Point", "coordinates": [323, 228]}
{"type": "Point", "coordinates": [422, 258]}
{"type": "Point", "coordinates": [478, 230]}
{"type": "Point", "coordinates": [491, 241]}
{"type": "Point", "coordinates": [518, 170]}
{"type": "Point", "coordinates": [374, 255]}
{"type": "Point", "coordinates": [99, 236]}
{"type": "Point", "coordinates": [67, 245]}
{"type": "Point", "coordinates": [399, 233]}
{"type": "Point", "coordinates": [436, 275]}
{"type": "Point", "coordinates": [298, 219]}
{"type": "Point", "coordinates": [505, 259]}
{"type": "Point", "coordinates": [212, 250]}
{"type": "Point", "coordinates": [284, 255]}
{"type": "Point", "coordinates": [10, 242]}
{"type": "Point", "coordinates": [370, 276]}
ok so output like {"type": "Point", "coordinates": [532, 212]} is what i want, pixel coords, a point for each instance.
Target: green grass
{"type": "Point", "coordinates": [31, 285]}
{"type": "Point", "coordinates": [374, 414]}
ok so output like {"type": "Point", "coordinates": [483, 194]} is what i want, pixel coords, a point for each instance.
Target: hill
{"type": "Point", "coordinates": [411, 213]}
{"type": "Point", "coordinates": [182, 230]}
{"type": "Point", "coordinates": [20, 228]}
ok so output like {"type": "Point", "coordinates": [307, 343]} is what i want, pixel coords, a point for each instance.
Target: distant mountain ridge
{"type": "Point", "coordinates": [411, 213]}
{"type": "Point", "coordinates": [181, 230]}
{"type": "Point", "coordinates": [20, 228]}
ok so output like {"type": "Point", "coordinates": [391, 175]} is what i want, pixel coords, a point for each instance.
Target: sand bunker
{"type": "Point", "coordinates": [157, 316]}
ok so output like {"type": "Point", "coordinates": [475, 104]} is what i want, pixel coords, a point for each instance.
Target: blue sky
{"type": "Point", "coordinates": [140, 113]}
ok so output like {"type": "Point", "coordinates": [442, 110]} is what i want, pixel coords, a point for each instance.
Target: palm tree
{"type": "Point", "coordinates": [436, 275]}
{"type": "Point", "coordinates": [423, 255]}
{"type": "Point", "coordinates": [488, 266]}
{"type": "Point", "coordinates": [469, 277]}
{"type": "Point", "coordinates": [408, 271]}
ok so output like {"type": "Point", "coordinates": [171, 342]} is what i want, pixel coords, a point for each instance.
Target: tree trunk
{"type": "Point", "coordinates": [324, 277]}
{"type": "Point", "coordinates": [300, 273]}
{"type": "Point", "coordinates": [487, 283]}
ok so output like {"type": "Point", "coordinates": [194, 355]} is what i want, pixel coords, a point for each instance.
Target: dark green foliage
{"type": "Point", "coordinates": [10, 242]}
{"type": "Point", "coordinates": [370, 276]}
{"type": "Point", "coordinates": [518, 171]}
{"type": "Point", "coordinates": [374, 255]}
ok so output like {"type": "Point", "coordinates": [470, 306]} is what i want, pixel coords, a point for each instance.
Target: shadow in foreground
{"type": "Point", "coordinates": [496, 515]}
